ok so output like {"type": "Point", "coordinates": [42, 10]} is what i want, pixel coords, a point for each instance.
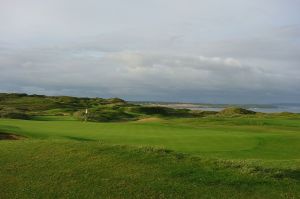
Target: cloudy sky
{"type": "Point", "coordinates": [233, 51]}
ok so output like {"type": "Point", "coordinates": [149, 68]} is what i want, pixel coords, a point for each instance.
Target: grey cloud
{"type": "Point", "coordinates": [134, 74]}
{"type": "Point", "coordinates": [198, 72]}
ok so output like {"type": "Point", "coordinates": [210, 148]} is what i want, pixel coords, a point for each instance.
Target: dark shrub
{"type": "Point", "coordinates": [104, 115]}
{"type": "Point", "coordinates": [163, 111]}
{"type": "Point", "coordinates": [13, 114]}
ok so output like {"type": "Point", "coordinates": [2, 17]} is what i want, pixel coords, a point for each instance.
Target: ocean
{"type": "Point", "coordinates": [277, 109]}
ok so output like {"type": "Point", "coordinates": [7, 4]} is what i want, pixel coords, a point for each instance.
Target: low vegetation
{"type": "Point", "coordinates": [231, 111]}
{"type": "Point", "coordinates": [13, 113]}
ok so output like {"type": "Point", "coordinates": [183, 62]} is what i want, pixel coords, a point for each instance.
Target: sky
{"type": "Point", "coordinates": [211, 51]}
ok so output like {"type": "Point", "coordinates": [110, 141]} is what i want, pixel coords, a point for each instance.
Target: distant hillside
{"type": "Point", "coordinates": [23, 106]}
{"type": "Point", "coordinates": [42, 102]}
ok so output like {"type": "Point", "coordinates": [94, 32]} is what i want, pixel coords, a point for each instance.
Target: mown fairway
{"type": "Point", "coordinates": [239, 157]}
{"type": "Point", "coordinates": [228, 138]}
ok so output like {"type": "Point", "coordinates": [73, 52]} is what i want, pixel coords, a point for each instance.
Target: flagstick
{"type": "Point", "coordinates": [86, 113]}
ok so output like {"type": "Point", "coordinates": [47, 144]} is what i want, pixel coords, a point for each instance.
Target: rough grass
{"type": "Point", "coordinates": [89, 169]}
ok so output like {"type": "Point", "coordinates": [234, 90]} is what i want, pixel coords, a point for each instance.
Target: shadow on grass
{"type": "Point", "coordinates": [52, 118]}
{"type": "Point", "coordinates": [294, 174]}
{"type": "Point", "coordinates": [79, 138]}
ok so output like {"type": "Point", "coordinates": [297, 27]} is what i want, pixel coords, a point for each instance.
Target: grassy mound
{"type": "Point", "coordinates": [236, 111]}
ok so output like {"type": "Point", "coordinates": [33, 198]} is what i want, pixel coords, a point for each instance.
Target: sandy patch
{"type": "Point", "coordinates": [10, 136]}
{"type": "Point", "coordinates": [150, 119]}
